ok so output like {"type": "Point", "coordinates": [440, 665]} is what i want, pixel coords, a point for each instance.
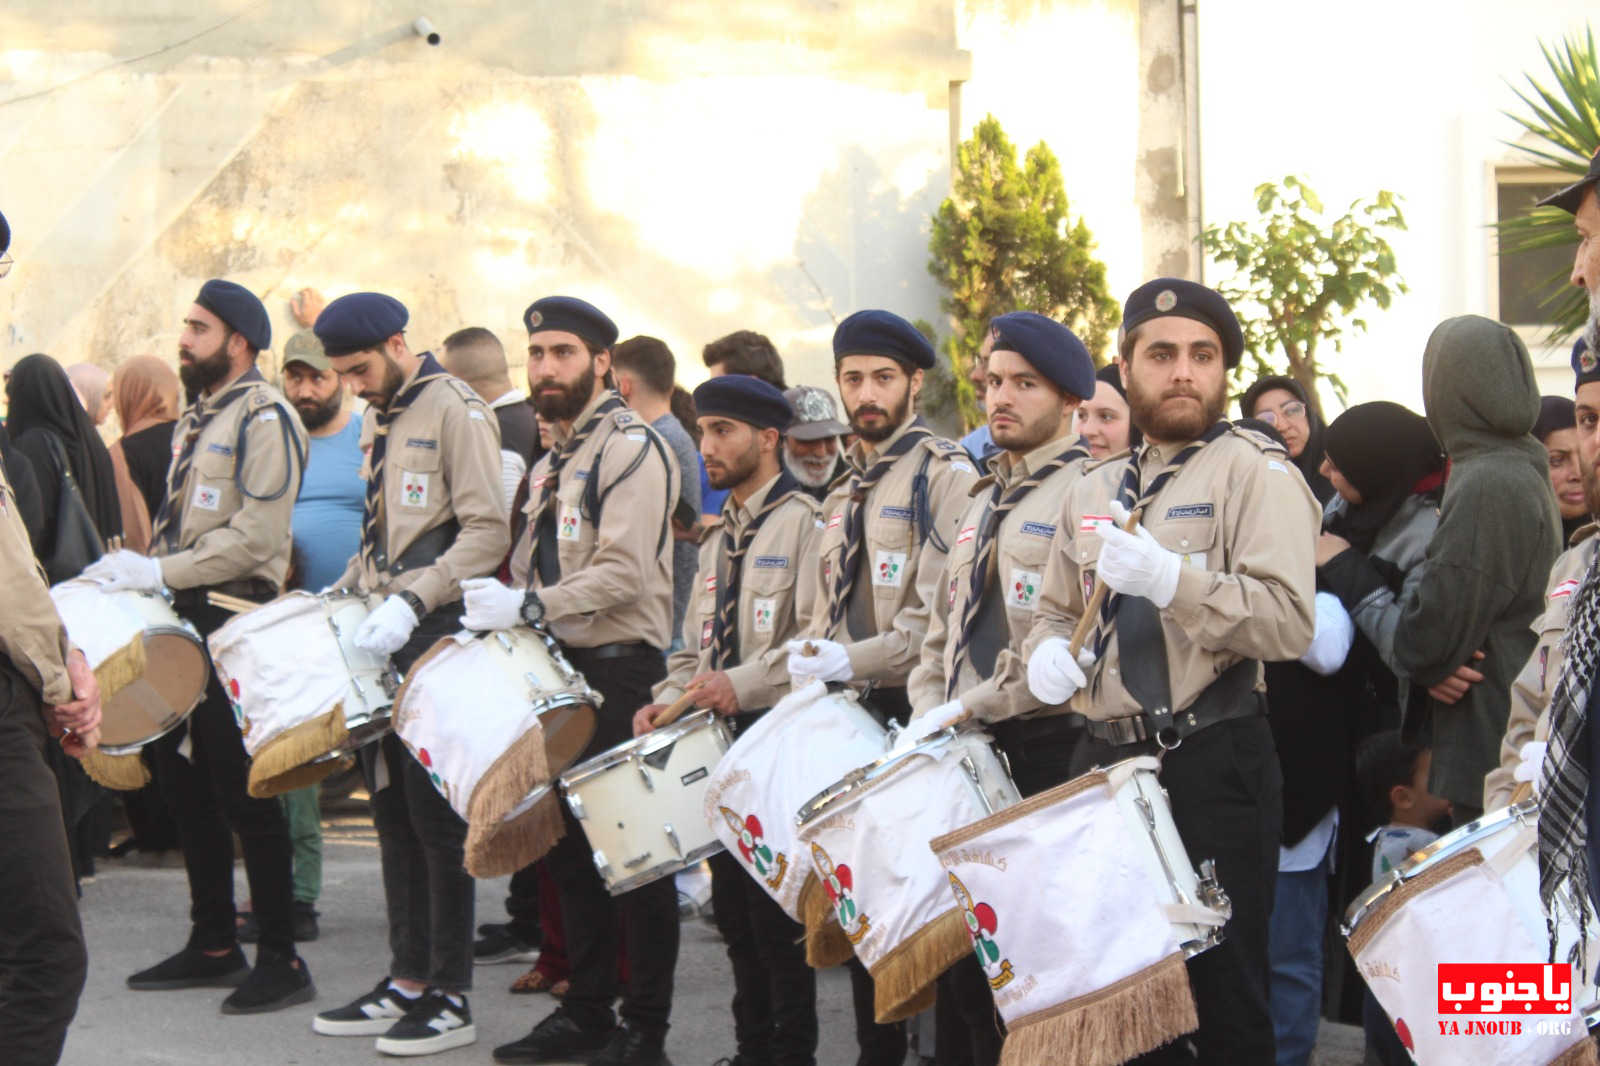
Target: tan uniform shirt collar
{"type": "Point", "coordinates": [1007, 472]}
{"type": "Point", "coordinates": [600, 396]}
{"type": "Point", "coordinates": [740, 516]}
{"type": "Point", "coordinates": [858, 450]}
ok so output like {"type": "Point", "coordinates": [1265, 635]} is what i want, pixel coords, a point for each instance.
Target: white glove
{"type": "Point", "coordinates": [926, 725]}
{"type": "Point", "coordinates": [387, 629]}
{"type": "Point", "coordinates": [830, 663]}
{"type": "Point", "coordinates": [1532, 759]}
{"type": "Point", "coordinates": [1134, 564]}
{"type": "Point", "coordinates": [490, 605]}
{"type": "Point", "coordinates": [1053, 674]}
{"type": "Point", "coordinates": [125, 570]}
{"type": "Point", "coordinates": [1335, 633]}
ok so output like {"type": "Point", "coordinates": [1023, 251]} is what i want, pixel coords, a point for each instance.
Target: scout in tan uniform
{"type": "Point", "coordinates": [1218, 577]}
{"type": "Point", "coordinates": [886, 532]}
{"type": "Point", "coordinates": [41, 676]}
{"type": "Point", "coordinates": [972, 667]}
{"type": "Point", "coordinates": [434, 514]}
{"type": "Point", "coordinates": [595, 565]}
{"type": "Point", "coordinates": [1529, 720]}
{"type": "Point", "coordinates": [238, 455]}
{"type": "Point", "coordinates": [750, 598]}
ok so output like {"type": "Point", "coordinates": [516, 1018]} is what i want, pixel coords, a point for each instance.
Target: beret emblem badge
{"type": "Point", "coordinates": [1166, 300]}
{"type": "Point", "coordinates": [535, 319]}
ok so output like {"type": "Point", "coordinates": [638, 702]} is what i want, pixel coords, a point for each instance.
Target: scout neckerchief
{"type": "Point", "coordinates": [200, 414]}
{"type": "Point", "coordinates": [725, 629]}
{"type": "Point", "coordinates": [984, 552]}
{"type": "Point", "coordinates": [373, 550]}
{"type": "Point", "coordinates": [558, 460]}
{"type": "Point", "coordinates": [1564, 781]}
{"type": "Point", "coordinates": [855, 517]}
{"type": "Point", "coordinates": [1134, 500]}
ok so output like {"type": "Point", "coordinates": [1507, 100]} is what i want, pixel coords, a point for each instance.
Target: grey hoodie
{"type": "Point", "coordinates": [1485, 570]}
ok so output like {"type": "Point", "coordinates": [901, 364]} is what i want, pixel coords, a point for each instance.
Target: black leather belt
{"type": "Point", "coordinates": [620, 650]}
{"type": "Point", "coordinates": [1230, 696]}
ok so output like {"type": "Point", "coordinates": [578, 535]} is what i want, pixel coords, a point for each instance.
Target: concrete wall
{"type": "Point", "coordinates": [1402, 96]}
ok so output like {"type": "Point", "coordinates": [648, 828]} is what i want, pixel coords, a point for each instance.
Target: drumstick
{"type": "Point", "coordinates": [675, 709]}
{"type": "Point", "coordinates": [232, 604]}
{"type": "Point", "coordinates": [1091, 611]}
{"type": "Point", "coordinates": [1522, 793]}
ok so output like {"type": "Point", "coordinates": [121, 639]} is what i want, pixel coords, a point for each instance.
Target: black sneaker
{"type": "Point", "coordinates": [630, 1047]}
{"type": "Point", "coordinates": [500, 944]}
{"type": "Point", "coordinates": [432, 1024]}
{"type": "Point", "coordinates": [557, 1039]}
{"type": "Point", "coordinates": [304, 918]}
{"type": "Point", "coordinates": [277, 981]}
{"type": "Point", "coordinates": [193, 968]}
{"type": "Point", "coordinates": [371, 1015]}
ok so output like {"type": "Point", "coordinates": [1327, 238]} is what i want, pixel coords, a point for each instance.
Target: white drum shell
{"type": "Point", "coordinates": [641, 803]}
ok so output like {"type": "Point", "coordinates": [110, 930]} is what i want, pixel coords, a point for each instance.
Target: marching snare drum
{"type": "Point", "coordinates": [493, 718]}
{"type": "Point", "coordinates": [641, 803]}
{"type": "Point", "coordinates": [1472, 896]}
{"type": "Point", "coordinates": [867, 838]}
{"type": "Point", "coordinates": [303, 693]}
{"type": "Point", "coordinates": [1081, 905]}
{"type": "Point", "coordinates": [810, 738]}
{"type": "Point", "coordinates": [150, 663]}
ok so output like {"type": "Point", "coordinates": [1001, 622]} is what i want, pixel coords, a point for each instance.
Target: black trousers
{"type": "Point", "coordinates": [522, 904]}
{"type": "Point", "coordinates": [1041, 754]}
{"type": "Point", "coordinates": [428, 894]}
{"type": "Point", "coordinates": [42, 958]}
{"type": "Point", "coordinates": [647, 916]}
{"type": "Point", "coordinates": [774, 990]}
{"type": "Point", "coordinates": [1227, 801]}
{"type": "Point", "coordinates": [207, 796]}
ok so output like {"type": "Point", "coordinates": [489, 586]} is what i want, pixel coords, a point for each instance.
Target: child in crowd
{"type": "Point", "coordinates": [1393, 778]}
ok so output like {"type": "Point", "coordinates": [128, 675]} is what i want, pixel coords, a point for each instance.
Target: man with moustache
{"type": "Point", "coordinates": [434, 515]}
{"type": "Point", "coordinates": [750, 599]}
{"type": "Point", "coordinates": [239, 454]}
{"type": "Point", "coordinates": [971, 665]}
{"type": "Point", "coordinates": [595, 565]}
{"type": "Point", "coordinates": [887, 531]}
{"type": "Point", "coordinates": [1218, 576]}
{"type": "Point", "coordinates": [811, 449]}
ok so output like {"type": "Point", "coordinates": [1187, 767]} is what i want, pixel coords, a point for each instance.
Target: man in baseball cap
{"type": "Point", "coordinates": [1582, 200]}
{"type": "Point", "coordinates": [811, 447]}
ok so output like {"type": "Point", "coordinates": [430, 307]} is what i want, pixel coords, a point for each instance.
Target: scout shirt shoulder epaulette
{"type": "Point", "coordinates": [1260, 441]}
{"type": "Point", "coordinates": [1583, 533]}
{"type": "Point", "coordinates": [950, 452]}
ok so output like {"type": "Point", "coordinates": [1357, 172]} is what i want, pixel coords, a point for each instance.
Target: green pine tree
{"type": "Point", "coordinates": [1002, 241]}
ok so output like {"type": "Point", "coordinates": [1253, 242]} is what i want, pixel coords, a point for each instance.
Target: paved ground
{"type": "Point", "coordinates": [135, 915]}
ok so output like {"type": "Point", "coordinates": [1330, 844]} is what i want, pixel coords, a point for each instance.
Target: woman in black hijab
{"type": "Point", "coordinates": [44, 411]}
{"type": "Point", "coordinates": [1557, 430]}
{"type": "Point", "coordinates": [1281, 402]}
{"type": "Point", "coordinates": [1379, 456]}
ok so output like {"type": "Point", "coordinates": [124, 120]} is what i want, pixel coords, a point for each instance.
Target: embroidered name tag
{"type": "Point", "coordinates": [267, 416]}
{"type": "Point", "coordinates": [1090, 523]}
{"type": "Point", "coordinates": [581, 475]}
{"type": "Point", "coordinates": [1039, 529]}
{"type": "Point", "coordinates": [422, 442]}
{"type": "Point", "coordinates": [219, 449]}
{"type": "Point", "coordinates": [772, 562]}
{"type": "Point", "coordinates": [902, 513]}
{"type": "Point", "coordinates": [477, 416]}
{"type": "Point", "coordinates": [1192, 510]}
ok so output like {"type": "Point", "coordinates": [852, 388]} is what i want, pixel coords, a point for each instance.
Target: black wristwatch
{"type": "Point", "coordinates": [413, 601]}
{"type": "Point", "coordinates": [532, 608]}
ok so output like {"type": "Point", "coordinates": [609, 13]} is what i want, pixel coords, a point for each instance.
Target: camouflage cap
{"type": "Point", "coordinates": [815, 416]}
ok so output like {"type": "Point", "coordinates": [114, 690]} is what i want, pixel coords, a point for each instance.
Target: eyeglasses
{"type": "Point", "coordinates": [1289, 410]}
{"type": "Point", "coordinates": [5, 263]}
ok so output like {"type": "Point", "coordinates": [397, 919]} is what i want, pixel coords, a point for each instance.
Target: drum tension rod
{"type": "Point", "coordinates": [1161, 852]}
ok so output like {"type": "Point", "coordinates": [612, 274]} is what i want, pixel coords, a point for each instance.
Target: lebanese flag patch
{"type": "Point", "coordinates": [1090, 522]}
{"type": "Point", "coordinates": [966, 534]}
{"type": "Point", "coordinates": [1565, 589]}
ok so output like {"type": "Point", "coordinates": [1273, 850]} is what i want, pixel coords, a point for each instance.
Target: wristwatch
{"type": "Point", "coordinates": [532, 608]}
{"type": "Point", "coordinates": [413, 601]}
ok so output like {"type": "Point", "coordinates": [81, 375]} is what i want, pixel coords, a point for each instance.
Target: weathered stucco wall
{"type": "Point", "coordinates": [693, 168]}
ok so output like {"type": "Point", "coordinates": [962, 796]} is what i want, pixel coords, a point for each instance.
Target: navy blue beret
{"type": "Point", "coordinates": [239, 309]}
{"type": "Point", "coordinates": [882, 333]}
{"type": "Point", "coordinates": [744, 398]}
{"type": "Point", "coordinates": [1049, 347]}
{"type": "Point", "coordinates": [1585, 367]}
{"type": "Point", "coordinates": [359, 321]}
{"type": "Point", "coordinates": [571, 315]}
{"type": "Point", "coordinates": [1187, 299]}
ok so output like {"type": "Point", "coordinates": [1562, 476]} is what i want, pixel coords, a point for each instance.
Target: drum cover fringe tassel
{"type": "Point", "coordinates": [826, 944]}
{"type": "Point", "coordinates": [284, 763]}
{"type": "Point", "coordinates": [1120, 1022]}
{"type": "Point", "coordinates": [125, 773]}
{"type": "Point", "coordinates": [903, 980]}
{"type": "Point", "coordinates": [496, 847]}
